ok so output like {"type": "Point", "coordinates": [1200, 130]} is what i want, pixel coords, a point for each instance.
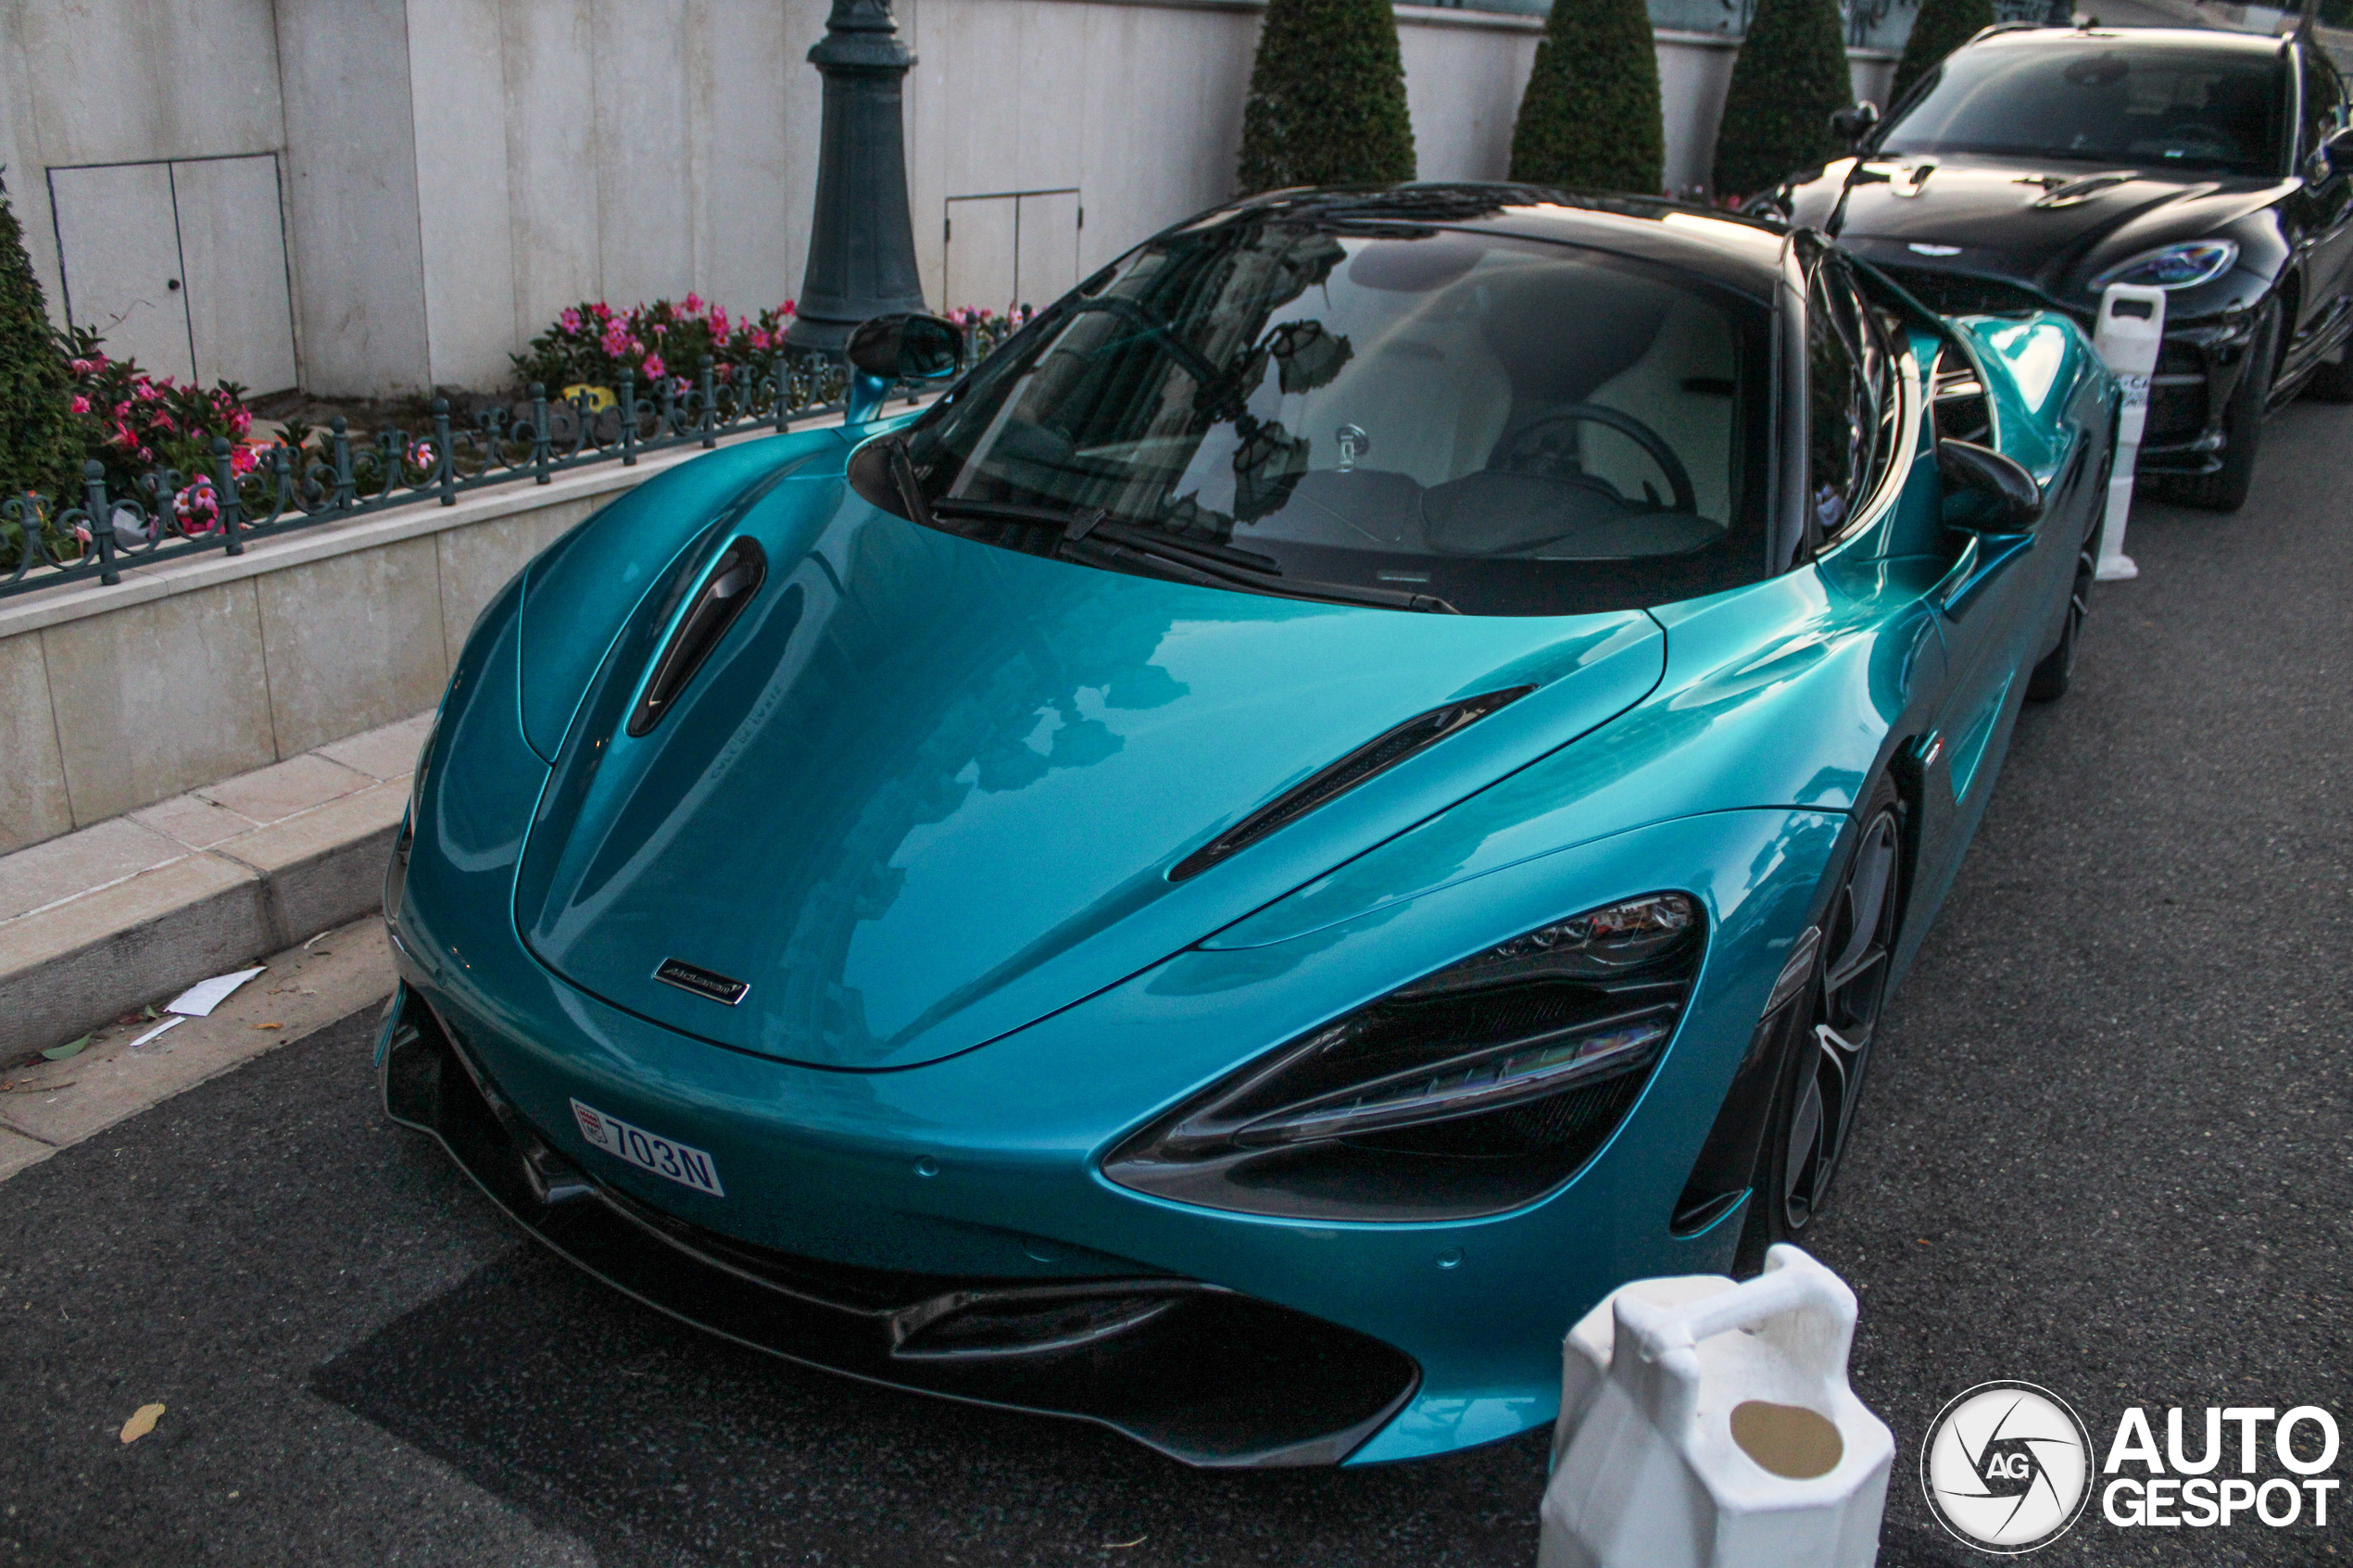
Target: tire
{"type": "Point", "coordinates": [2056, 672]}
{"type": "Point", "coordinates": [2333, 382]}
{"type": "Point", "coordinates": [1827, 1034]}
{"type": "Point", "coordinates": [2225, 489]}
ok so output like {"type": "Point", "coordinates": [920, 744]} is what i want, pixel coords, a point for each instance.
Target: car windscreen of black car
{"type": "Point", "coordinates": [2102, 100]}
{"type": "Point", "coordinates": [1434, 419]}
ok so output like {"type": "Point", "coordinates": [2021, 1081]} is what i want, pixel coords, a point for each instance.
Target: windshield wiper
{"type": "Point", "coordinates": [902, 479]}
{"type": "Point", "coordinates": [1194, 564]}
{"type": "Point", "coordinates": [1087, 533]}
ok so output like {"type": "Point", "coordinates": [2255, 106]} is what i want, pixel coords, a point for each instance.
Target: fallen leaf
{"type": "Point", "coordinates": [268, 1026]}
{"type": "Point", "coordinates": [143, 1420]}
{"type": "Point", "coordinates": [1123, 1546]}
{"type": "Point", "coordinates": [71, 1047]}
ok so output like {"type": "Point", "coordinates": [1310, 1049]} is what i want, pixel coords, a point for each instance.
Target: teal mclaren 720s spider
{"type": "Point", "coordinates": [1361, 782]}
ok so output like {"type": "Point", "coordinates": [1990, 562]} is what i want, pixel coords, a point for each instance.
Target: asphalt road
{"type": "Point", "coordinates": [2104, 1151]}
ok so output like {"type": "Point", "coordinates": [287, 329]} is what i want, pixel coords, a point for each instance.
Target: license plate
{"type": "Point", "coordinates": [648, 1151]}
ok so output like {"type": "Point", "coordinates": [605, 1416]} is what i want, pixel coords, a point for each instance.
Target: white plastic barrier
{"type": "Point", "coordinates": [1709, 1424]}
{"type": "Point", "coordinates": [2131, 330]}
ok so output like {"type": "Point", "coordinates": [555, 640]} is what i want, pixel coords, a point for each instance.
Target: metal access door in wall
{"type": "Point", "coordinates": [1006, 248]}
{"type": "Point", "coordinates": [180, 266]}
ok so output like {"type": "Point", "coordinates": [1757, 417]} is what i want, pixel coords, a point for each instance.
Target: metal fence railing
{"type": "Point", "coordinates": [46, 541]}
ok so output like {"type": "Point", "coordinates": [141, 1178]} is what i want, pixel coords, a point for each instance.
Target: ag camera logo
{"type": "Point", "coordinates": [2007, 1467]}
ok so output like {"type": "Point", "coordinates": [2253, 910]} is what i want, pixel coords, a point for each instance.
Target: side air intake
{"type": "Point", "coordinates": [738, 572]}
{"type": "Point", "coordinates": [1375, 756]}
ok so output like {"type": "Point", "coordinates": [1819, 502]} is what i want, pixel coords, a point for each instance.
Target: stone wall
{"type": "Point", "coordinates": [186, 674]}
{"type": "Point", "coordinates": [457, 171]}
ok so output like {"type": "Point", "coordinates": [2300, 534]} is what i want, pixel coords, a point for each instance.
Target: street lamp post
{"type": "Point", "coordinates": [861, 243]}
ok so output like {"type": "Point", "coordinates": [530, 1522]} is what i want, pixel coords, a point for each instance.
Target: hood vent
{"type": "Point", "coordinates": [738, 572]}
{"type": "Point", "coordinates": [1375, 756]}
{"type": "Point", "coordinates": [2074, 192]}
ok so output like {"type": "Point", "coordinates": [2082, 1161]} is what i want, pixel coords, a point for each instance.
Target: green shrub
{"type": "Point", "coordinates": [1942, 27]}
{"type": "Point", "coordinates": [38, 446]}
{"type": "Point", "coordinates": [1790, 79]}
{"type": "Point", "coordinates": [1326, 103]}
{"type": "Point", "coordinates": [1590, 118]}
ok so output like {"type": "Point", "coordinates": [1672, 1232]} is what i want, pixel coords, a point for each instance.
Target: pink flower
{"type": "Point", "coordinates": [83, 367]}
{"type": "Point", "coordinates": [420, 454]}
{"type": "Point", "coordinates": [122, 410]}
{"type": "Point", "coordinates": [242, 461]}
{"type": "Point", "coordinates": [653, 365]}
{"type": "Point", "coordinates": [602, 311]}
{"type": "Point", "coordinates": [569, 320]}
{"type": "Point", "coordinates": [693, 303]}
{"type": "Point", "coordinates": [81, 404]}
{"type": "Point", "coordinates": [758, 338]}
{"type": "Point", "coordinates": [718, 321]}
{"type": "Point", "coordinates": [146, 391]}
{"type": "Point", "coordinates": [241, 421]}
{"type": "Point", "coordinates": [660, 330]}
{"type": "Point", "coordinates": [82, 533]}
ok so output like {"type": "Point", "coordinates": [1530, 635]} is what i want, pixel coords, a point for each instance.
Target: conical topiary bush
{"type": "Point", "coordinates": [1790, 79]}
{"type": "Point", "coordinates": [1590, 120]}
{"type": "Point", "coordinates": [1942, 27]}
{"type": "Point", "coordinates": [37, 447]}
{"type": "Point", "coordinates": [1326, 103]}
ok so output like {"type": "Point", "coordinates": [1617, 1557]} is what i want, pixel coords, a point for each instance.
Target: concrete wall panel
{"type": "Point", "coordinates": [161, 696]}
{"type": "Point", "coordinates": [353, 641]}
{"type": "Point", "coordinates": [1464, 85]}
{"type": "Point", "coordinates": [551, 180]}
{"type": "Point", "coordinates": [458, 103]}
{"type": "Point", "coordinates": [351, 168]}
{"type": "Point", "coordinates": [33, 803]}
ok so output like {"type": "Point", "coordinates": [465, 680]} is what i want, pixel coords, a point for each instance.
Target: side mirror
{"type": "Point", "coordinates": [902, 347]}
{"type": "Point", "coordinates": [1852, 124]}
{"type": "Point", "coordinates": [2336, 154]}
{"type": "Point", "coordinates": [2009, 499]}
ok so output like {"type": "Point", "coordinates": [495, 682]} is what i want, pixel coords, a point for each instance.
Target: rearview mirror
{"type": "Point", "coordinates": [1852, 124]}
{"type": "Point", "coordinates": [2004, 497]}
{"type": "Point", "coordinates": [2337, 152]}
{"type": "Point", "coordinates": [905, 345]}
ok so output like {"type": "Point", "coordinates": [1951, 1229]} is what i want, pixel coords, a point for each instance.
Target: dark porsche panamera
{"type": "Point", "coordinates": [2037, 165]}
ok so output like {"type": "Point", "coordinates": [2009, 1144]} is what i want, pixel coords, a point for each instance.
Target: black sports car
{"type": "Point", "coordinates": [2037, 166]}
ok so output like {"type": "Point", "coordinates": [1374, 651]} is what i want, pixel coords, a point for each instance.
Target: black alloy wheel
{"type": "Point", "coordinates": [2056, 672]}
{"type": "Point", "coordinates": [1827, 1037]}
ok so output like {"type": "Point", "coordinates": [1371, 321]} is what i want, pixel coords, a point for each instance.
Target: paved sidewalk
{"type": "Point", "coordinates": [47, 1106]}
{"type": "Point", "coordinates": [132, 909]}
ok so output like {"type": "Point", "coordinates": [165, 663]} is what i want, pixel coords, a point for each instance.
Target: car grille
{"type": "Point", "coordinates": [1964, 294]}
{"type": "Point", "coordinates": [2177, 408]}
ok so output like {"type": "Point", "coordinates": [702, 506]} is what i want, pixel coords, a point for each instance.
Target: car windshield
{"type": "Point", "coordinates": [2097, 101]}
{"type": "Point", "coordinates": [1433, 418]}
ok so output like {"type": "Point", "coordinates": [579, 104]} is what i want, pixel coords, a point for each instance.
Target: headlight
{"type": "Point", "coordinates": [2175, 267]}
{"type": "Point", "coordinates": [1472, 1090]}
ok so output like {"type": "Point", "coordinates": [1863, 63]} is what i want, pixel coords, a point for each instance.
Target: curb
{"type": "Point", "coordinates": [106, 953]}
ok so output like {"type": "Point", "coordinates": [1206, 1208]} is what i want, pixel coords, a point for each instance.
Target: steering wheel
{"type": "Point", "coordinates": [1523, 453]}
